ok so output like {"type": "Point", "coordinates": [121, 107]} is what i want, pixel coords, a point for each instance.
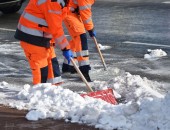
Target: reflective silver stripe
{"type": "Point", "coordinates": [87, 21]}
{"type": "Point", "coordinates": [71, 64]}
{"type": "Point", "coordinates": [74, 54]}
{"type": "Point", "coordinates": [60, 39]}
{"type": "Point", "coordinates": [33, 32]}
{"type": "Point", "coordinates": [61, 2]}
{"type": "Point", "coordinates": [75, 1]}
{"type": "Point", "coordinates": [55, 80]}
{"type": "Point", "coordinates": [41, 2]}
{"type": "Point", "coordinates": [88, 6]}
{"type": "Point", "coordinates": [66, 62]}
{"type": "Point", "coordinates": [34, 19]}
{"type": "Point", "coordinates": [82, 63]}
{"type": "Point", "coordinates": [47, 35]}
{"type": "Point", "coordinates": [83, 53]}
{"type": "Point", "coordinates": [54, 11]}
{"type": "Point", "coordinates": [30, 31]}
{"type": "Point", "coordinates": [63, 45]}
{"type": "Point", "coordinates": [72, 9]}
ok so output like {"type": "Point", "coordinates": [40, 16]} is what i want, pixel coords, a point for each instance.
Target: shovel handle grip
{"type": "Point", "coordinates": [100, 54]}
{"type": "Point", "coordinates": [81, 75]}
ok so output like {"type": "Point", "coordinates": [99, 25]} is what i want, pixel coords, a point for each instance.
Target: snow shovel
{"type": "Point", "coordinates": [100, 54]}
{"type": "Point", "coordinates": [106, 95]}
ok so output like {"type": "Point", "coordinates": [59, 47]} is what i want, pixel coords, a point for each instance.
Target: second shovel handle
{"type": "Point", "coordinates": [101, 56]}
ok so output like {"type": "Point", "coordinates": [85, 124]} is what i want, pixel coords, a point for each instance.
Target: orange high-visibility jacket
{"type": "Point", "coordinates": [84, 9]}
{"type": "Point", "coordinates": [40, 22]}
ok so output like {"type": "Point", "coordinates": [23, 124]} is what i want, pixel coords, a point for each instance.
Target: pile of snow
{"type": "Point", "coordinates": [146, 108]}
{"type": "Point", "coordinates": [157, 53]}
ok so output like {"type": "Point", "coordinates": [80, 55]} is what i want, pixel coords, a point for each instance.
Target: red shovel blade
{"type": "Point", "coordinates": [106, 95]}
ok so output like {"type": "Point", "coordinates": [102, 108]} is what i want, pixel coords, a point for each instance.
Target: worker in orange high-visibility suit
{"type": "Point", "coordinates": [39, 29]}
{"type": "Point", "coordinates": [78, 21]}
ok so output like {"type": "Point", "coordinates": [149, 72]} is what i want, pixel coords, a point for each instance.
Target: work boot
{"type": "Point", "coordinates": [65, 68]}
{"type": "Point", "coordinates": [85, 71]}
{"type": "Point", "coordinates": [68, 69]}
{"type": "Point", "coordinates": [87, 77]}
{"type": "Point", "coordinates": [72, 70]}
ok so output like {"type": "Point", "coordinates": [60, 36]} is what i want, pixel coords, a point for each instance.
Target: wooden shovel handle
{"type": "Point", "coordinates": [81, 75]}
{"type": "Point", "coordinates": [101, 56]}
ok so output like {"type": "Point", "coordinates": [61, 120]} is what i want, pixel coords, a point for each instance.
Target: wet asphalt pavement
{"type": "Point", "coordinates": [146, 25]}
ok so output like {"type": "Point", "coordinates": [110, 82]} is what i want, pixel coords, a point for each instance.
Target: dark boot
{"type": "Point", "coordinates": [72, 70]}
{"type": "Point", "coordinates": [68, 69]}
{"type": "Point", "coordinates": [65, 68]}
{"type": "Point", "coordinates": [85, 71]}
{"type": "Point", "coordinates": [87, 76]}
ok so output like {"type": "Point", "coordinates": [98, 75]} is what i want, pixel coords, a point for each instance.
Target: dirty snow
{"type": "Point", "coordinates": [146, 105]}
{"type": "Point", "coordinates": [154, 54]}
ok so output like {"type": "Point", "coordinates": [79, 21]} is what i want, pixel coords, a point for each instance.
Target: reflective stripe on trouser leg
{"type": "Point", "coordinates": [83, 53]}
{"type": "Point", "coordinates": [55, 74]}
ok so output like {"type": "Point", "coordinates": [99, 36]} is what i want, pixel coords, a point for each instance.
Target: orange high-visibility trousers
{"type": "Point", "coordinates": [78, 46]}
{"type": "Point", "coordinates": [43, 63]}
{"type": "Point", "coordinates": [74, 24]}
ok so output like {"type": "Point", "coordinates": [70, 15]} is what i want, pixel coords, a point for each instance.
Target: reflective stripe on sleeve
{"type": "Point", "coordinates": [60, 39]}
{"type": "Point", "coordinates": [63, 45]}
{"type": "Point", "coordinates": [47, 35]}
{"type": "Point", "coordinates": [34, 19]}
{"type": "Point", "coordinates": [55, 12]}
{"type": "Point", "coordinates": [74, 54]}
{"type": "Point", "coordinates": [41, 2]}
{"type": "Point", "coordinates": [88, 6]}
{"type": "Point", "coordinates": [71, 9]}
{"type": "Point", "coordinates": [87, 21]}
{"type": "Point", "coordinates": [60, 42]}
{"type": "Point", "coordinates": [75, 2]}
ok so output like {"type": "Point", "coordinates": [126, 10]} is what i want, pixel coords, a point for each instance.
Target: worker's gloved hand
{"type": "Point", "coordinates": [68, 54]}
{"type": "Point", "coordinates": [92, 33]}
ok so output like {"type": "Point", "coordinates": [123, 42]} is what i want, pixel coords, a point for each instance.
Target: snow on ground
{"type": "Point", "coordinates": [146, 106]}
{"type": "Point", "coordinates": [101, 47]}
{"type": "Point", "coordinates": [155, 54]}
